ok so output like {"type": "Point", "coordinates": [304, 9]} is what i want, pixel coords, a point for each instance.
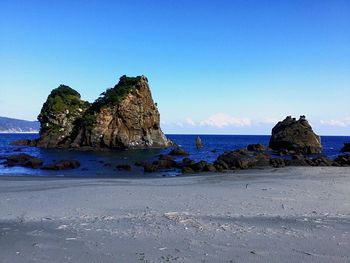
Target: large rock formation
{"type": "Point", "coordinates": [295, 135]}
{"type": "Point", "coordinates": [122, 117]}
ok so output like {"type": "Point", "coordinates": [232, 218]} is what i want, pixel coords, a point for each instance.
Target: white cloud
{"type": "Point", "coordinates": [343, 122]}
{"type": "Point", "coordinates": [269, 121]}
{"type": "Point", "coordinates": [221, 120]}
{"type": "Point", "coordinates": [189, 121]}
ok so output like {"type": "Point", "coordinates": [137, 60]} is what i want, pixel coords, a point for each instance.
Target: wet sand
{"type": "Point", "coordinates": [276, 215]}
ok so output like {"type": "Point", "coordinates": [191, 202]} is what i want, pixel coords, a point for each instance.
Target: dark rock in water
{"type": "Point", "coordinates": [209, 168]}
{"type": "Point", "coordinates": [321, 161]}
{"type": "Point", "coordinates": [123, 167]}
{"type": "Point", "coordinates": [298, 160]}
{"type": "Point", "coordinates": [256, 148]}
{"type": "Point", "coordinates": [17, 150]}
{"type": "Point", "coordinates": [122, 117]}
{"type": "Point", "coordinates": [346, 148]}
{"type": "Point", "coordinates": [343, 160]}
{"type": "Point", "coordinates": [139, 163]}
{"type": "Point", "coordinates": [221, 165]}
{"type": "Point", "coordinates": [241, 159]}
{"type": "Point", "coordinates": [62, 165]}
{"type": "Point", "coordinates": [214, 151]}
{"type": "Point", "coordinates": [235, 160]}
{"type": "Point", "coordinates": [295, 135]}
{"type": "Point", "coordinates": [165, 164]}
{"type": "Point", "coordinates": [178, 152]}
{"type": "Point", "coordinates": [260, 160]}
{"type": "Point", "coordinates": [23, 143]}
{"type": "Point", "coordinates": [277, 162]}
{"type": "Point", "coordinates": [187, 162]}
{"type": "Point", "coordinates": [34, 163]}
{"type": "Point", "coordinates": [199, 166]}
{"type": "Point", "coordinates": [166, 157]}
{"type": "Point", "coordinates": [187, 170]}
{"type": "Point", "coordinates": [150, 168]}
{"type": "Point", "coordinates": [24, 160]}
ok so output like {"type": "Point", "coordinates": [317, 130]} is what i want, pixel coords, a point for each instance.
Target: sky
{"type": "Point", "coordinates": [214, 67]}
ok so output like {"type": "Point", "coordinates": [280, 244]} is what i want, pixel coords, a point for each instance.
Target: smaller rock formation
{"type": "Point", "coordinates": [241, 159]}
{"type": "Point", "coordinates": [295, 135]}
{"type": "Point", "coordinates": [198, 143]}
{"type": "Point", "coordinates": [346, 148]}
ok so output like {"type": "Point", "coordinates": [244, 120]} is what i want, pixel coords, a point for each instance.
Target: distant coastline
{"type": "Point", "coordinates": [11, 125]}
{"type": "Point", "coordinates": [19, 132]}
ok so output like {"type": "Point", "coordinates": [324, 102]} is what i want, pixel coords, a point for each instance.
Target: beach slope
{"type": "Point", "coordinates": [275, 215]}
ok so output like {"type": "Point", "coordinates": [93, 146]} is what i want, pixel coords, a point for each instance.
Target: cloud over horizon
{"type": "Point", "coordinates": [341, 122]}
{"type": "Point", "coordinates": [224, 123]}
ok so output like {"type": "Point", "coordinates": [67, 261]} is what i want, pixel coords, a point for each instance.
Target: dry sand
{"type": "Point", "coordinates": [276, 215]}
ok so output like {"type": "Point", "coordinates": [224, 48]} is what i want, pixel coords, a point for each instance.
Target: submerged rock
{"type": "Point", "coordinates": [178, 152]}
{"type": "Point", "coordinates": [23, 143]}
{"type": "Point", "coordinates": [24, 160]}
{"type": "Point", "coordinates": [295, 135]}
{"type": "Point", "coordinates": [123, 167]}
{"type": "Point", "coordinates": [124, 116]}
{"type": "Point", "coordinates": [62, 165]}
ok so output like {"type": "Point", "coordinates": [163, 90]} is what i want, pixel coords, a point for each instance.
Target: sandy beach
{"type": "Point", "coordinates": [275, 215]}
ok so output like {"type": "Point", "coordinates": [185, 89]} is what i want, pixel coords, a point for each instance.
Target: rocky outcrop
{"type": "Point", "coordinates": [62, 165]}
{"type": "Point", "coordinates": [124, 116]}
{"type": "Point", "coordinates": [24, 160]}
{"type": "Point", "coordinates": [295, 135]}
{"type": "Point", "coordinates": [256, 147]}
{"type": "Point", "coordinates": [346, 148]}
{"type": "Point", "coordinates": [242, 159]}
{"type": "Point", "coordinates": [178, 152]}
{"type": "Point", "coordinates": [343, 160]}
{"type": "Point", "coordinates": [58, 117]}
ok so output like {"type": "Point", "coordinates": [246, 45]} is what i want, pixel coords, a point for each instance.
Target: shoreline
{"type": "Point", "coordinates": [271, 215]}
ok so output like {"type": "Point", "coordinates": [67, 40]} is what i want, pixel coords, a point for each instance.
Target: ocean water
{"type": "Point", "coordinates": [103, 164]}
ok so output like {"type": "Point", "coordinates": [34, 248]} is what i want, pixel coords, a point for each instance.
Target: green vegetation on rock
{"type": "Point", "coordinates": [88, 120]}
{"type": "Point", "coordinates": [110, 97]}
{"type": "Point", "coordinates": [115, 95]}
{"type": "Point", "coordinates": [62, 99]}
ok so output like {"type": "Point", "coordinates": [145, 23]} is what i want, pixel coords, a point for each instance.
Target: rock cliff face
{"type": "Point", "coordinates": [295, 135]}
{"type": "Point", "coordinates": [122, 117]}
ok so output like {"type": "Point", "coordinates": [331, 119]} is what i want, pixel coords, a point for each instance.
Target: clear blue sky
{"type": "Point", "coordinates": [233, 67]}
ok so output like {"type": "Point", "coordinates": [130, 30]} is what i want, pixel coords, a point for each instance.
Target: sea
{"type": "Point", "coordinates": [103, 164]}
